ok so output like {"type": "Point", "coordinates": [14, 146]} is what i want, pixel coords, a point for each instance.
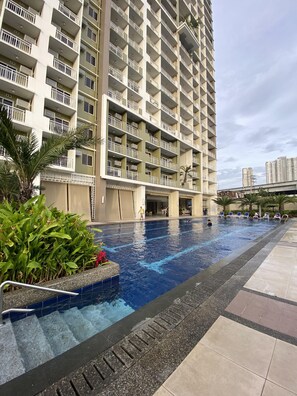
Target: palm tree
{"type": "Point", "coordinates": [249, 200]}
{"type": "Point", "coordinates": [224, 201]}
{"type": "Point", "coordinates": [28, 159]}
{"type": "Point", "coordinates": [9, 183]}
{"type": "Point", "coordinates": [281, 199]}
{"type": "Point", "coordinates": [185, 172]}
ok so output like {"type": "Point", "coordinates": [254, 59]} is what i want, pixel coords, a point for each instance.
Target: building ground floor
{"type": "Point", "coordinates": [111, 201]}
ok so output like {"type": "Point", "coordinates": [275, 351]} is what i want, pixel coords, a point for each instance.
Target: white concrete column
{"type": "Point", "coordinates": [139, 201]}
{"type": "Point", "coordinates": [173, 204]}
{"type": "Point", "coordinates": [197, 205]}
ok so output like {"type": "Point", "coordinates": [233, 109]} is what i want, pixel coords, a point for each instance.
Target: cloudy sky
{"type": "Point", "coordinates": [256, 85]}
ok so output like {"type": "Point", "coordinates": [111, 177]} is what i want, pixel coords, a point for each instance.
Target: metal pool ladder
{"type": "Point", "coordinates": [29, 287]}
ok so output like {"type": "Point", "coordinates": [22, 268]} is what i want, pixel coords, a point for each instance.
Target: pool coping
{"type": "Point", "coordinates": [25, 297]}
{"type": "Point", "coordinates": [77, 359]}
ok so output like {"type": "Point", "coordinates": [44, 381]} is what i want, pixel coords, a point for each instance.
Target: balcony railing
{"type": "Point", "coordinates": [15, 41]}
{"type": "Point", "coordinates": [116, 73]}
{"type": "Point", "coordinates": [134, 66]}
{"type": "Point", "coordinates": [168, 146]}
{"type": "Point", "coordinates": [168, 164]}
{"type": "Point", "coordinates": [116, 147]}
{"type": "Point", "coordinates": [116, 50]}
{"type": "Point", "coordinates": [112, 171]}
{"type": "Point", "coordinates": [132, 130]}
{"type": "Point", "coordinates": [61, 96]}
{"type": "Point", "coordinates": [132, 175]}
{"type": "Point", "coordinates": [133, 86]}
{"type": "Point", "coordinates": [169, 183]}
{"type": "Point", "coordinates": [115, 95]}
{"type": "Point", "coordinates": [66, 40]}
{"type": "Point", "coordinates": [59, 65]}
{"type": "Point", "coordinates": [132, 152]}
{"type": "Point", "coordinates": [15, 114]}
{"type": "Point", "coordinates": [68, 13]}
{"type": "Point", "coordinates": [63, 162]}
{"type": "Point", "coordinates": [12, 75]}
{"type": "Point", "coordinates": [57, 127]}
{"type": "Point", "coordinates": [168, 111]}
{"type": "Point", "coordinates": [153, 140]}
{"type": "Point", "coordinates": [2, 151]}
{"type": "Point", "coordinates": [21, 11]}
{"type": "Point", "coordinates": [115, 122]}
{"type": "Point", "coordinates": [152, 159]}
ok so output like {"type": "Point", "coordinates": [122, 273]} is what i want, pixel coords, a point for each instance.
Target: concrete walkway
{"type": "Point", "coordinates": [235, 359]}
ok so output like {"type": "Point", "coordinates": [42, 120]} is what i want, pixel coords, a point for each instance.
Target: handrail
{"type": "Point", "coordinates": [29, 287]}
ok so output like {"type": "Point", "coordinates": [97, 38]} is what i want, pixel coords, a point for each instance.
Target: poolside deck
{"type": "Point", "coordinates": [230, 330]}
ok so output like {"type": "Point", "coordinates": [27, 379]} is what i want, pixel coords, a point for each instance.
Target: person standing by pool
{"type": "Point", "coordinates": [141, 212]}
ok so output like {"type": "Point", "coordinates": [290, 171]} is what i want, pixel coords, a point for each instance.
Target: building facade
{"type": "Point", "coordinates": [281, 170]}
{"type": "Point", "coordinates": [248, 178]}
{"type": "Point", "coordinates": [140, 74]}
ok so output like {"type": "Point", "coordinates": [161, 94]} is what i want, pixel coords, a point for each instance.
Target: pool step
{"type": "Point", "coordinates": [80, 326]}
{"type": "Point", "coordinates": [11, 363]}
{"type": "Point", "coordinates": [32, 342]}
{"type": "Point", "coordinates": [58, 333]}
{"type": "Point", "coordinates": [95, 314]}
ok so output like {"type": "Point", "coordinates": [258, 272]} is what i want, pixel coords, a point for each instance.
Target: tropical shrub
{"type": "Point", "coordinates": [38, 243]}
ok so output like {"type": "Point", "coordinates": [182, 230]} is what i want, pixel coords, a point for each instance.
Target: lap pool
{"type": "Point", "coordinates": [154, 257]}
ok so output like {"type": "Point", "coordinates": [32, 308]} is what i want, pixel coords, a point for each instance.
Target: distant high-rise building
{"type": "Point", "coordinates": [248, 178]}
{"type": "Point", "coordinates": [281, 170]}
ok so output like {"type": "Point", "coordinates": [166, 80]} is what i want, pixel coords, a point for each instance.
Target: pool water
{"type": "Point", "coordinates": [156, 256]}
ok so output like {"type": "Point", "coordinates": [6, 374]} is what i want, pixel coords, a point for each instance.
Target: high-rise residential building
{"type": "Point", "coordinates": [281, 170]}
{"type": "Point", "coordinates": [141, 75]}
{"type": "Point", "coordinates": [248, 178]}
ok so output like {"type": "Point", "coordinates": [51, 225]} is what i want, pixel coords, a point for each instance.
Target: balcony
{"type": "Point", "coordinates": [16, 15]}
{"type": "Point", "coordinates": [21, 48]}
{"type": "Point", "coordinates": [12, 80]}
{"type": "Point", "coordinates": [168, 128]}
{"type": "Point", "coordinates": [168, 146]}
{"type": "Point", "coordinates": [188, 38]}
{"type": "Point", "coordinates": [61, 101]}
{"type": "Point", "coordinates": [169, 111]}
{"type": "Point", "coordinates": [60, 71]}
{"type": "Point", "coordinates": [168, 164]}
{"type": "Point", "coordinates": [152, 160]}
{"type": "Point", "coordinates": [115, 95]}
{"type": "Point", "coordinates": [63, 162]}
{"type": "Point", "coordinates": [132, 152]}
{"type": "Point", "coordinates": [15, 114]}
{"type": "Point", "coordinates": [62, 43]}
{"type": "Point", "coordinates": [132, 130]}
{"type": "Point", "coordinates": [116, 147]}
{"type": "Point", "coordinates": [153, 140]}
{"type": "Point", "coordinates": [63, 16]}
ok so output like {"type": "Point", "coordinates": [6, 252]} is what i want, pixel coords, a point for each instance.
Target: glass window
{"type": "Point", "coordinates": [90, 58]}
{"type": "Point", "coordinates": [87, 160]}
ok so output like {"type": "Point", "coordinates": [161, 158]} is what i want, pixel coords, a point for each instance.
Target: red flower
{"type": "Point", "coordinates": [101, 258]}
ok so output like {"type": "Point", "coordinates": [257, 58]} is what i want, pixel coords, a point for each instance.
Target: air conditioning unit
{"type": "Point", "coordinates": [118, 116]}
{"type": "Point", "coordinates": [51, 82]}
{"type": "Point", "coordinates": [134, 124]}
{"type": "Point", "coordinates": [82, 49]}
{"type": "Point", "coordinates": [81, 74]}
{"type": "Point", "coordinates": [117, 139]}
{"type": "Point", "coordinates": [117, 163]}
{"type": "Point", "coordinates": [25, 70]}
{"type": "Point", "coordinates": [49, 113]}
{"type": "Point", "coordinates": [84, 25]}
{"type": "Point", "coordinates": [78, 154]}
{"type": "Point", "coordinates": [134, 146]}
{"type": "Point", "coordinates": [22, 104]}
{"type": "Point", "coordinates": [29, 39]}
{"type": "Point", "coordinates": [133, 167]}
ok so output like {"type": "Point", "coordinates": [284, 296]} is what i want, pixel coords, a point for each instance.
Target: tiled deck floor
{"type": "Point", "coordinates": [234, 359]}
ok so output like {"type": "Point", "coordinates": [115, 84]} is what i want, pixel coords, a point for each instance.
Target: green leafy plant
{"type": "Point", "coordinates": [38, 243]}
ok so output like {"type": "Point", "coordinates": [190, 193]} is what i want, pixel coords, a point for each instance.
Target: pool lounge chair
{"type": "Point", "coordinates": [239, 215]}
{"type": "Point", "coordinates": [277, 216]}
{"type": "Point", "coordinates": [256, 216]}
{"type": "Point", "coordinates": [266, 216]}
{"type": "Point", "coordinates": [221, 214]}
{"type": "Point", "coordinates": [246, 215]}
{"type": "Point", "coordinates": [230, 214]}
